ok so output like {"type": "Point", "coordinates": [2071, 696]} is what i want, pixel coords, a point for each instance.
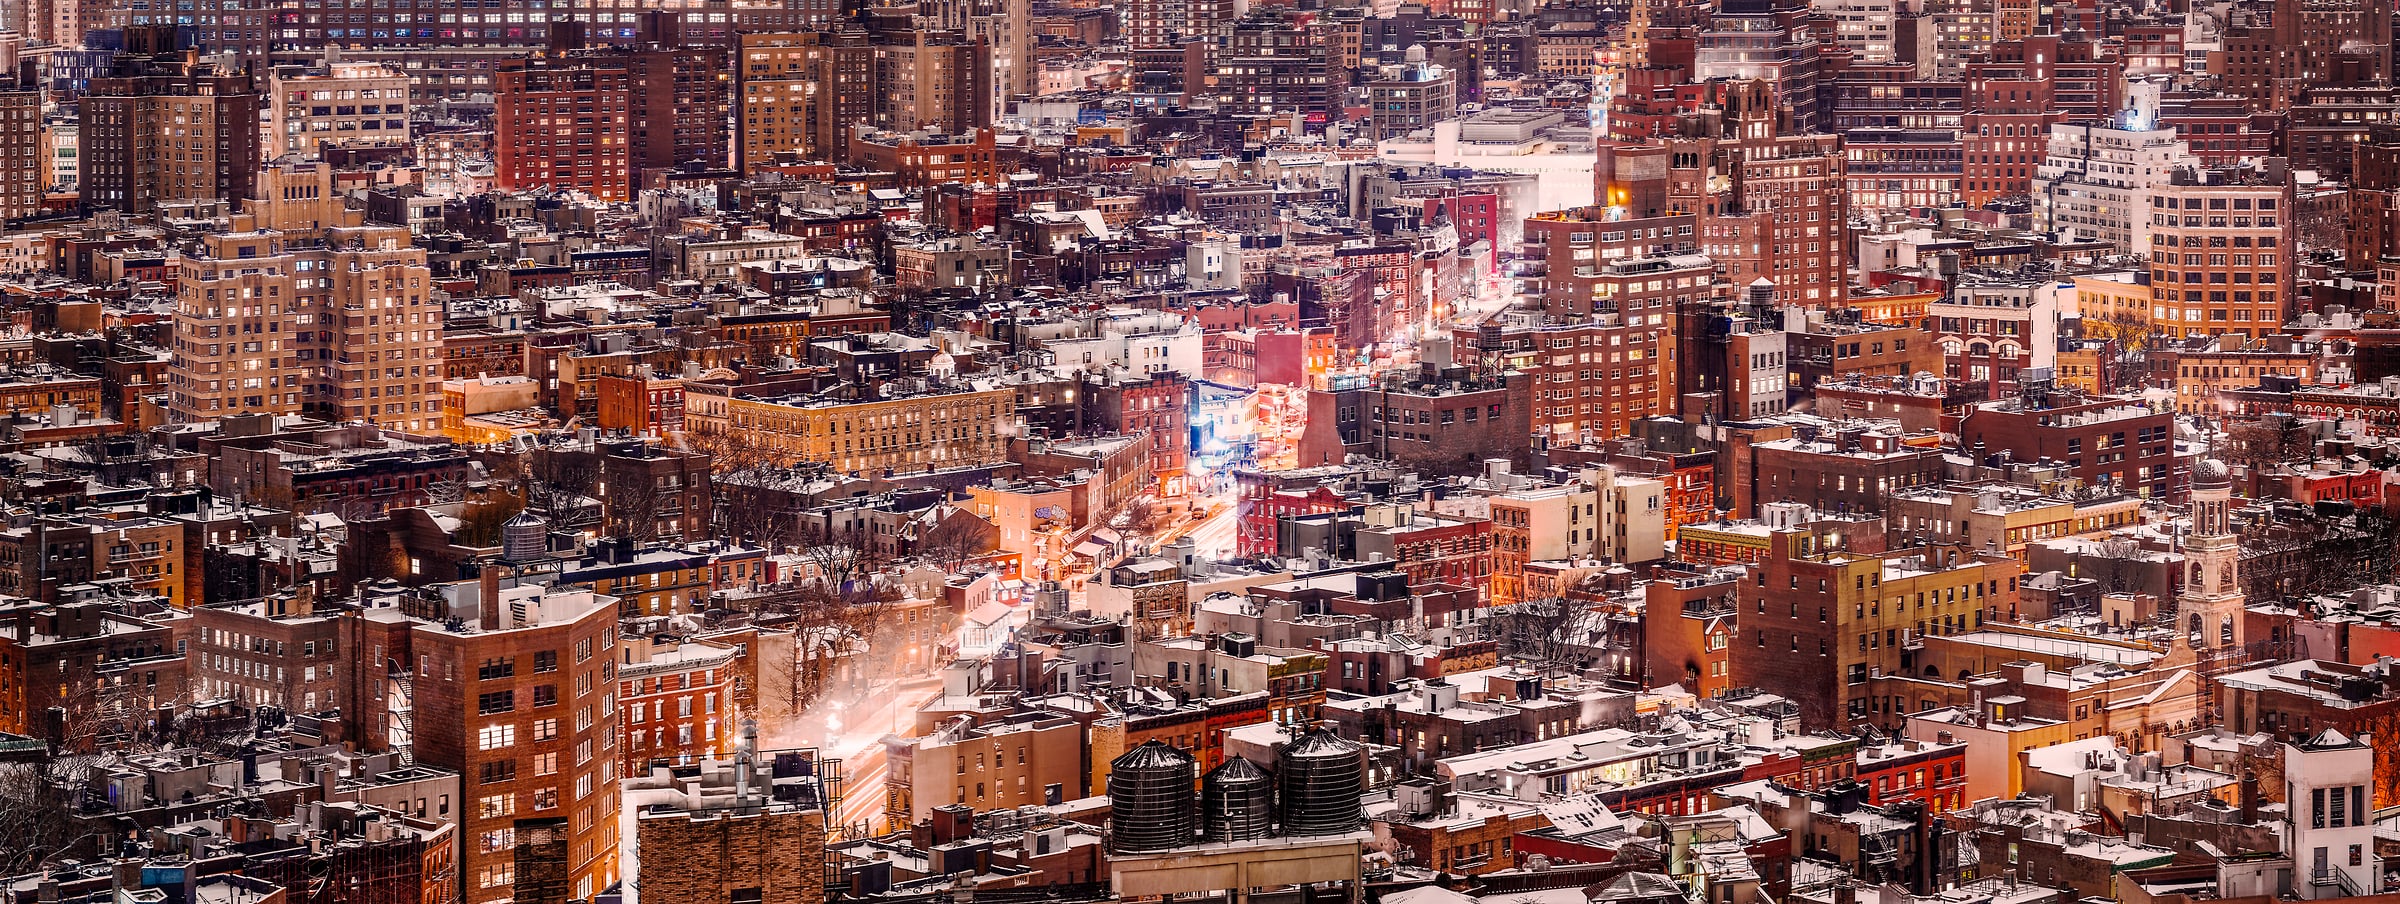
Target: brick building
{"type": "Point", "coordinates": [515, 702]}
{"type": "Point", "coordinates": [677, 701]}
{"type": "Point", "coordinates": [1822, 625]}
{"type": "Point", "coordinates": [114, 656]}
{"type": "Point", "coordinates": [2221, 254]}
{"type": "Point", "coordinates": [560, 123]}
{"type": "Point", "coordinates": [1853, 470]}
{"type": "Point", "coordinates": [750, 828]}
{"type": "Point", "coordinates": [235, 354]}
{"type": "Point", "coordinates": [1444, 423]}
{"type": "Point", "coordinates": [166, 128]}
{"type": "Point", "coordinates": [2104, 441]}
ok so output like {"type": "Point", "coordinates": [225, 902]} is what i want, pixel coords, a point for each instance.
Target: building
{"type": "Point", "coordinates": [26, 171]}
{"type": "Point", "coordinates": [1026, 758]}
{"type": "Point", "coordinates": [166, 129]}
{"type": "Point", "coordinates": [2106, 442]}
{"type": "Point", "coordinates": [513, 701]}
{"type": "Point", "coordinates": [338, 103]}
{"type": "Point", "coordinates": [1856, 469]}
{"type": "Point", "coordinates": [560, 123]}
{"type": "Point", "coordinates": [747, 828]}
{"type": "Point", "coordinates": [1273, 65]}
{"type": "Point", "coordinates": [373, 362]}
{"type": "Point", "coordinates": [677, 701]}
{"type": "Point", "coordinates": [2096, 177]}
{"type": "Point", "coordinates": [2326, 776]}
{"type": "Point", "coordinates": [1419, 96]}
{"type": "Point", "coordinates": [2222, 259]}
{"type": "Point", "coordinates": [949, 425]}
{"type": "Point", "coordinates": [1823, 625]}
{"type": "Point", "coordinates": [800, 93]}
{"type": "Point", "coordinates": [276, 651]}
{"type": "Point", "coordinates": [923, 159]}
{"type": "Point", "coordinates": [124, 657]}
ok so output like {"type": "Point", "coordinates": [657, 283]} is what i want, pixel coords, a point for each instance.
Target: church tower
{"type": "Point", "coordinates": [2211, 603]}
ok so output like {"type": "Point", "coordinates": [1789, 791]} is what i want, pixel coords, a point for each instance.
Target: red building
{"type": "Point", "coordinates": [678, 700]}
{"type": "Point", "coordinates": [561, 124]}
{"type": "Point", "coordinates": [1932, 773]}
{"type": "Point", "coordinates": [2015, 95]}
{"type": "Point", "coordinates": [1268, 496]}
{"type": "Point", "coordinates": [1157, 405]}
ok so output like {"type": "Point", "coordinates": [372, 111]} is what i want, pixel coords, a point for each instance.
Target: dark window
{"type": "Point", "coordinates": [545, 661]}
{"type": "Point", "coordinates": [496, 702]}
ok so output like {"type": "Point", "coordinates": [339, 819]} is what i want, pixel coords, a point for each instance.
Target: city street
{"type": "Point", "coordinates": [854, 731]}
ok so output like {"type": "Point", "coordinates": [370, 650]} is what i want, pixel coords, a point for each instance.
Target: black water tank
{"type": "Point", "coordinates": [1317, 785]}
{"type": "Point", "coordinates": [1237, 801]}
{"type": "Point", "coordinates": [1150, 799]}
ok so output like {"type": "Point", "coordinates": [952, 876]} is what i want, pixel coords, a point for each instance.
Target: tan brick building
{"type": "Point", "coordinates": [345, 329]}
{"type": "Point", "coordinates": [951, 426]}
{"type": "Point", "coordinates": [747, 829]}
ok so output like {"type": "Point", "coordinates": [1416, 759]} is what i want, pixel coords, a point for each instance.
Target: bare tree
{"type": "Point", "coordinates": [849, 560]}
{"type": "Point", "coordinates": [483, 517]}
{"type": "Point", "coordinates": [955, 537]}
{"type": "Point", "coordinates": [1140, 516]}
{"type": "Point", "coordinates": [34, 822]}
{"type": "Point", "coordinates": [754, 498]}
{"type": "Point", "coordinates": [558, 482]}
{"type": "Point", "coordinates": [1547, 634]}
{"type": "Point", "coordinates": [2265, 443]}
{"type": "Point", "coordinates": [632, 504]}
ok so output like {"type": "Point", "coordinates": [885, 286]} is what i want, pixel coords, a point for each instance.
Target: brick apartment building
{"type": "Point", "coordinates": [560, 123]}
{"type": "Point", "coordinates": [2104, 441]}
{"type": "Point", "coordinates": [515, 702]}
{"type": "Point", "coordinates": [1827, 624]}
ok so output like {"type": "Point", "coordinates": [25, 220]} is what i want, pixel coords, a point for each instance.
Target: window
{"type": "Point", "coordinates": [545, 729]}
{"type": "Point", "coordinates": [498, 771]}
{"type": "Point", "coordinates": [495, 702]}
{"type": "Point", "coordinates": [545, 661]}
{"type": "Point", "coordinates": [545, 695]}
{"type": "Point", "coordinates": [496, 668]}
{"type": "Point", "coordinates": [545, 799]}
{"type": "Point", "coordinates": [545, 763]}
{"type": "Point", "coordinates": [498, 875]}
{"type": "Point", "coordinates": [496, 737]}
{"type": "Point", "coordinates": [497, 806]}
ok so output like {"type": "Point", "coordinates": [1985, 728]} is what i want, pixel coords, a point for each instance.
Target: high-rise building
{"type": "Point", "coordinates": [562, 123]}
{"type": "Point", "coordinates": [1160, 24]}
{"type": "Point", "coordinates": [801, 93]}
{"type": "Point", "coordinates": [680, 106]}
{"type": "Point", "coordinates": [23, 173]}
{"type": "Point", "coordinates": [1766, 40]}
{"type": "Point", "coordinates": [519, 703]}
{"type": "Point", "coordinates": [1771, 202]}
{"type": "Point", "coordinates": [2221, 252]}
{"type": "Point", "coordinates": [2096, 177]}
{"type": "Point", "coordinates": [937, 80]}
{"type": "Point", "coordinates": [2275, 51]}
{"type": "Point", "coordinates": [344, 327]}
{"type": "Point", "coordinates": [1864, 27]}
{"type": "Point", "coordinates": [167, 127]}
{"type": "Point", "coordinates": [1273, 66]}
